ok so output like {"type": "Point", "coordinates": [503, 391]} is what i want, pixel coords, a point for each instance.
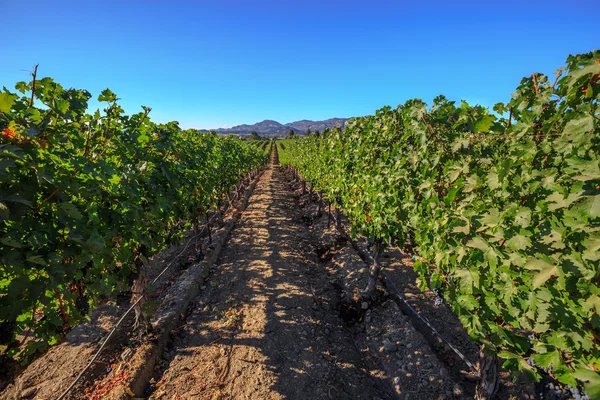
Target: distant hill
{"type": "Point", "coordinates": [273, 128]}
{"type": "Point", "coordinates": [317, 125]}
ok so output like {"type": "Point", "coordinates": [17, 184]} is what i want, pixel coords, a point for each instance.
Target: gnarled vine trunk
{"type": "Point", "coordinates": [374, 270]}
{"type": "Point", "coordinates": [141, 322]}
{"type": "Point", "coordinates": [487, 385]}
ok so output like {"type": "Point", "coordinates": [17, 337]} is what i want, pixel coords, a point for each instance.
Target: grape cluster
{"type": "Point", "coordinates": [564, 392]}
{"type": "Point", "coordinates": [569, 391]}
{"type": "Point", "coordinates": [438, 299]}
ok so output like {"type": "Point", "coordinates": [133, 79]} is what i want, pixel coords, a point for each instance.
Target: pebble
{"type": "Point", "coordinates": [29, 392]}
{"type": "Point", "coordinates": [458, 390]}
{"type": "Point", "coordinates": [409, 346]}
{"type": "Point", "coordinates": [389, 347]}
{"type": "Point", "coordinates": [364, 305]}
{"type": "Point", "coordinates": [397, 389]}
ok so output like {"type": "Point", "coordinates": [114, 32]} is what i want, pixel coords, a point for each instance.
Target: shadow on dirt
{"type": "Point", "coordinates": [269, 322]}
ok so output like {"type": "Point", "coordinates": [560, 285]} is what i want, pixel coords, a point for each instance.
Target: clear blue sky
{"type": "Point", "coordinates": [210, 64]}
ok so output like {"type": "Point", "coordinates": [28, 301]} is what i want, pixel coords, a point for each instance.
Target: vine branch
{"type": "Point", "coordinates": [34, 75]}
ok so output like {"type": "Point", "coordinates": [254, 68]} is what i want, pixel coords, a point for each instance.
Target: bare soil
{"type": "Point", "coordinates": [280, 317]}
{"type": "Point", "coordinates": [267, 325]}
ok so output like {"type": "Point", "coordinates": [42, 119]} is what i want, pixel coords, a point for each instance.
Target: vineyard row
{"type": "Point", "coordinates": [501, 210]}
{"type": "Point", "coordinates": [86, 198]}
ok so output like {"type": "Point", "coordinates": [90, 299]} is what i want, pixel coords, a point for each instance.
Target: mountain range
{"type": "Point", "coordinates": [273, 128]}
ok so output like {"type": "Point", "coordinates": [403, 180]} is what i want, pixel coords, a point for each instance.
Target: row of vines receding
{"type": "Point", "coordinates": [502, 210]}
{"type": "Point", "coordinates": [86, 197]}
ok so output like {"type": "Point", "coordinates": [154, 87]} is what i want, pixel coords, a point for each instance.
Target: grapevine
{"type": "Point", "coordinates": [501, 208]}
{"type": "Point", "coordinates": [86, 198]}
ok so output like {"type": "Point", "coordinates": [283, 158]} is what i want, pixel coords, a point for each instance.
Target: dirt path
{"type": "Point", "coordinates": [266, 324]}
{"type": "Point", "coordinates": [280, 316]}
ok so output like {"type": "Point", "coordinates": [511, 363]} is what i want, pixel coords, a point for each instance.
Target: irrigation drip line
{"type": "Point", "coordinates": [62, 396]}
{"type": "Point", "coordinates": [461, 355]}
{"type": "Point", "coordinates": [120, 322]}
{"type": "Point", "coordinates": [403, 298]}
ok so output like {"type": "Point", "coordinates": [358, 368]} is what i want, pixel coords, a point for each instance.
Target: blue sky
{"type": "Point", "coordinates": [210, 64]}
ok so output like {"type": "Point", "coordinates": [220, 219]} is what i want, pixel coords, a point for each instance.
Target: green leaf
{"type": "Point", "coordinates": [467, 301]}
{"type": "Point", "coordinates": [515, 362]}
{"type": "Point", "coordinates": [485, 123]}
{"type": "Point", "coordinates": [591, 381]}
{"type": "Point", "coordinates": [464, 229]}
{"type": "Point", "coordinates": [6, 101]}
{"type": "Point", "coordinates": [545, 270]}
{"type": "Point", "coordinates": [36, 260]}
{"type": "Point", "coordinates": [575, 128]}
{"type": "Point", "coordinates": [62, 106]}
{"type": "Point", "coordinates": [17, 199]}
{"type": "Point", "coordinates": [467, 280]}
{"type": "Point", "coordinates": [582, 169]}
{"type": "Point", "coordinates": [547, 360]}
{"type": "Point", "coordinates": [71, 210]}
{"type": "Point", "coordinates": [491, 218]}
{"type": "Point", "coordinates": [95, 242]}
{"type": "Point", "coordinates": [478, 243]}
{"type": "Point", "coordinates": [523, 217]}
{"type": "Point", "coordinates": [492, 180]}
{"type": "Point", "coordinates": [590, 205]}
{"type": "Point", "coordinates": [592, 249]}
{"type": "Point", "coordinates": [554, 239]}
{"type": "Point", "coordinates": [557, 200]}
{"type": "Point", "coordinates": [519, 242]}
{"type": "Point", "coordinates": [107, 95]}
{"type": "Point", "coordinates": [592, 305]}
{"type": "Point", "coordinates": [10, 242]}
{"type": "Point", "coordinates": [4, 212]}
{"type": "Point", "coordinates": [115, 179]}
